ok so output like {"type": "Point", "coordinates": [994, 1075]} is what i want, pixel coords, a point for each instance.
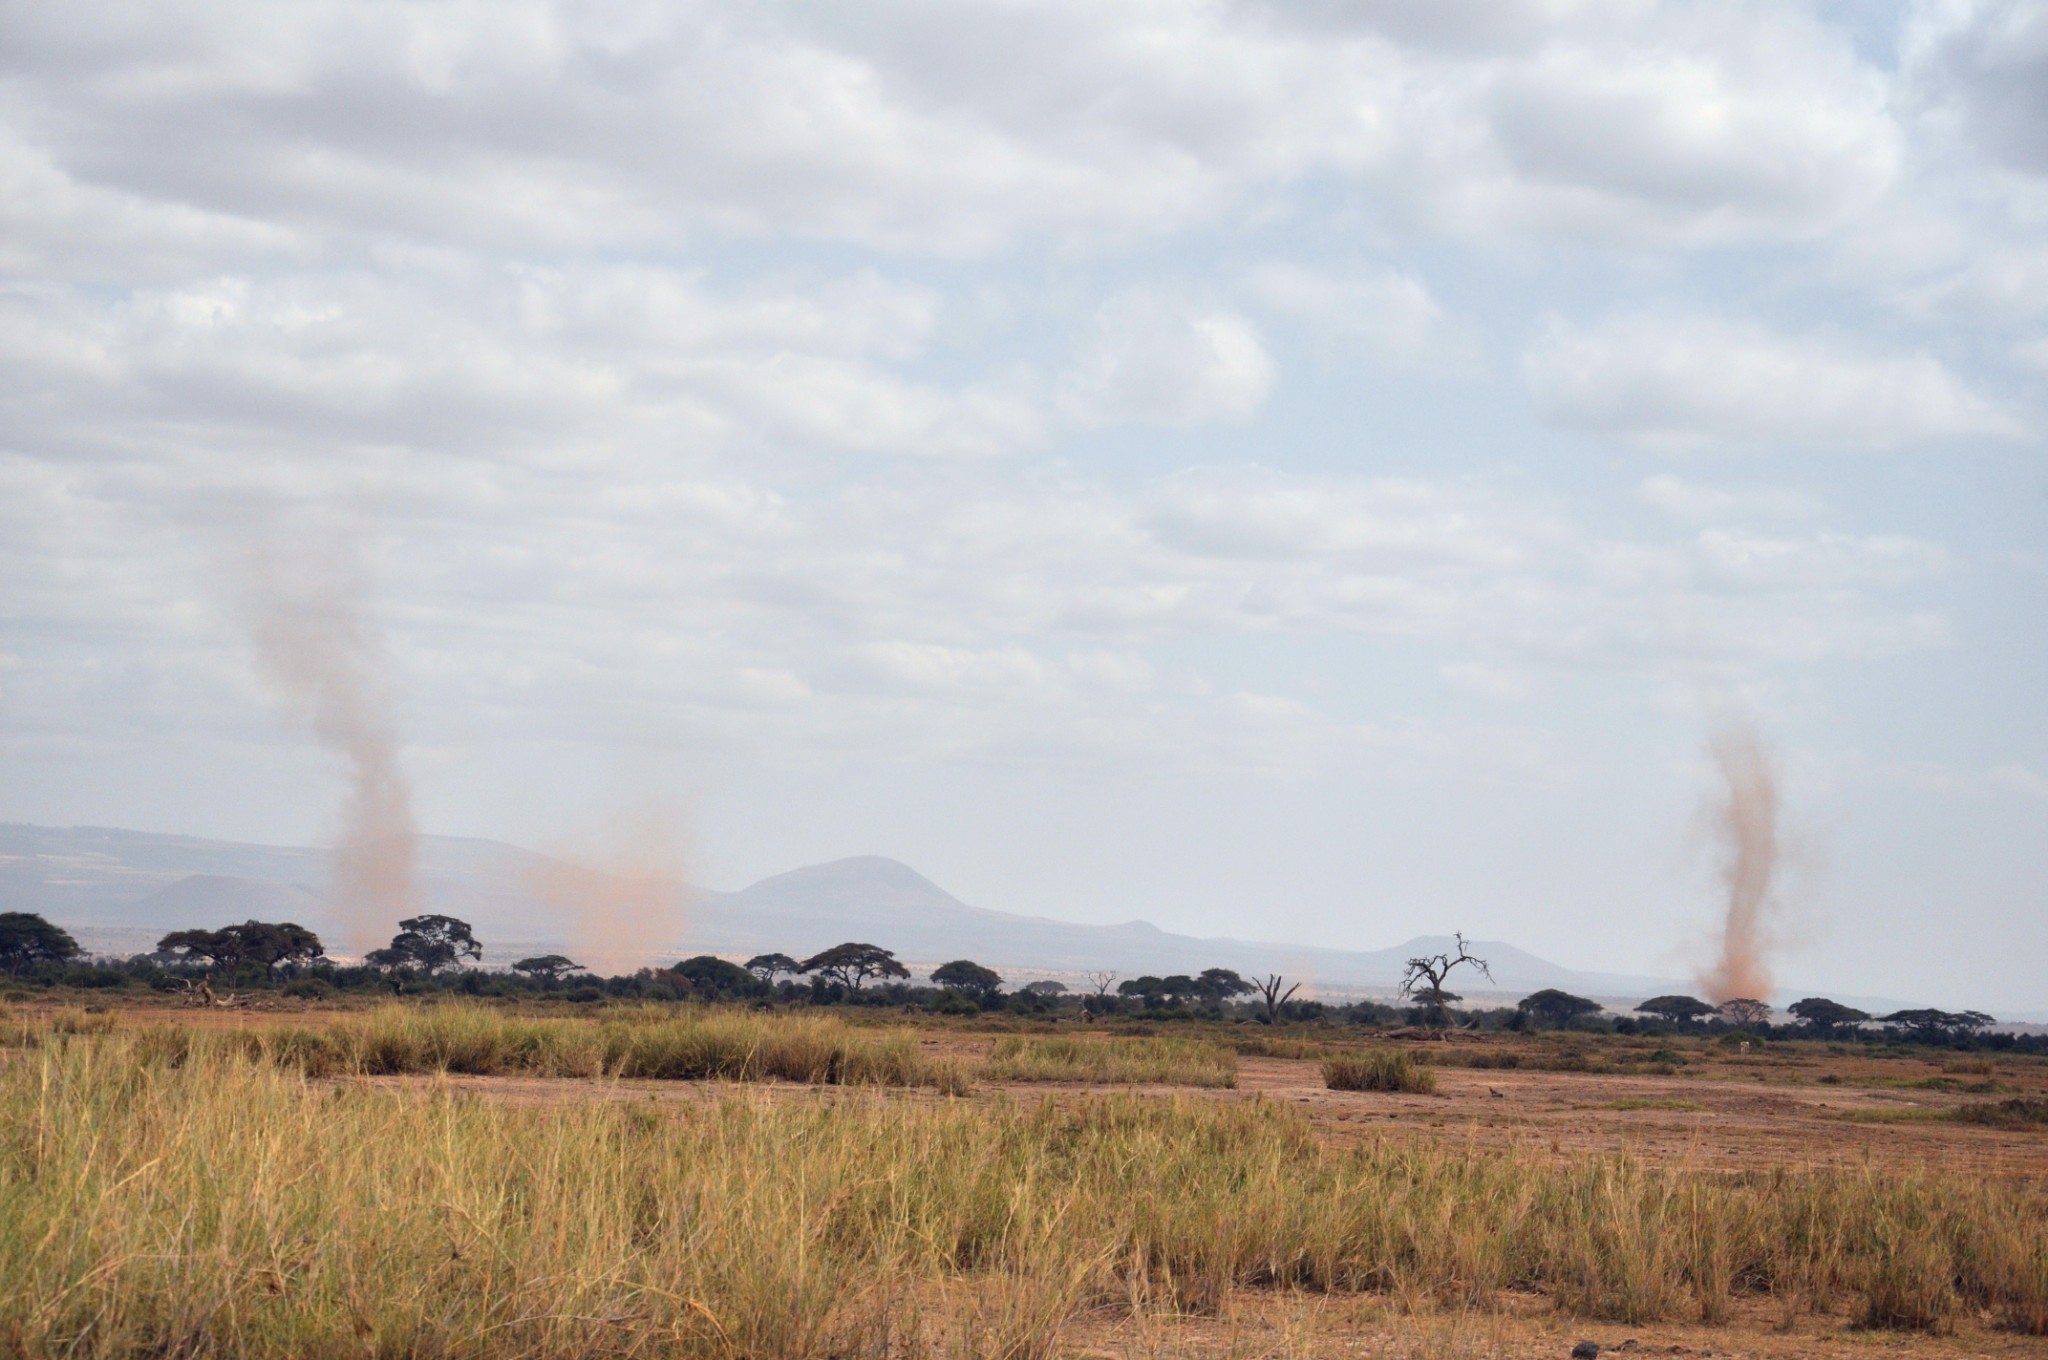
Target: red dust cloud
{"type": "Point", "coordinates": [628, 915]}
{"type": "Point", "coordinates": [1747, 820]}
{"type": "Point", "coordinates": [318, 650]}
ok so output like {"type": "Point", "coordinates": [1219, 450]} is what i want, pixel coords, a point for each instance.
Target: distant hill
{"type": "Point", "coordinates": [119, 889]}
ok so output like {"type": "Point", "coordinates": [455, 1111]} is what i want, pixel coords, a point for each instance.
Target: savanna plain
{"type": "Point", "coordinates": [438, 1178]}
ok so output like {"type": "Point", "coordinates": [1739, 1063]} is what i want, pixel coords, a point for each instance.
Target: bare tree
{"type": "Point", "coordinates": [1423, 978]}
{"type": "Point", "coordinates": [1269, 988]}
{"type": "Point", "coordinates": [1101, 982]}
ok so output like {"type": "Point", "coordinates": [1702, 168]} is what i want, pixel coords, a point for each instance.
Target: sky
{"type": "Point", "coordinates": [1314, 472]}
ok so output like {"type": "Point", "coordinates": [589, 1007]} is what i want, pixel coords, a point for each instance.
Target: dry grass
{"type": "Point", "coordinates": [203, 1198]}
{"type": "Point", "coordinates": [2021, 1112]}
{"type": "Point", "coordinates": [653, 1042]}
{"type": "Point", "coordinates": [1379, 1069]}
{"type": "Point", "coordinates": [1120, 1061]}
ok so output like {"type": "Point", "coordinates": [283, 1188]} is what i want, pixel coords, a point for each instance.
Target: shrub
{"type": "Point", "coordinates": [1380, 1069]}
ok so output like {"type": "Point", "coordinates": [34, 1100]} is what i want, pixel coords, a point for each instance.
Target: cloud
{"type": "Point", "coordinates": [947, 129]}
{"type": "Point", "coordinates": [2021, 780]}
{"type": "Point", "coordinates": [1390, 313]}
{"type": "Point", "coordinates": [1151, 360]}
{"type": "Point", "coordinates": [508, 361]}
{"type": "Point", "coordinates": [1694, 381]}
{"type": "Point", "coordinates": [1984, 63]}
{"type": "Point", "coordinates": [1699, 503]}
{"type": "Point", "coordinates": [1496, 683]}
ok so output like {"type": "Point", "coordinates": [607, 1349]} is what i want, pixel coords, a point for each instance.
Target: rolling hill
{"type": "Point", "coordinates": [119, 890]}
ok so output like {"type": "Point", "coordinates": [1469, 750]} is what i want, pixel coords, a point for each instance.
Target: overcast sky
{"type": "Point", "coordinates": [1307, 471]}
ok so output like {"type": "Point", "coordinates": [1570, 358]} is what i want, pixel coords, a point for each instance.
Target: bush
{"type": "Point", "coordinates": [1380, 1069]}
{"type": "Point", "coordinates": [310, 989]}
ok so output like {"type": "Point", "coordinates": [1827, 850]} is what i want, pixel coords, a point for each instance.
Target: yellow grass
{"type": "Point", "coordinates": [1379, 1069]}
{"type": "Point", "coordinates": [654, 1042]}
{"type": "Point", "coordinates": [204, 1199]}
{"type": "Point", "coordinates": [1172, 1062]}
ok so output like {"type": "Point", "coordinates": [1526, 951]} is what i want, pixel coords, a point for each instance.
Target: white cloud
{"type": "Point", "coordinates": [556, 364]}
{"type": "Point", "coordinates": [2021, 780]}
{"type": "Point", "coordinates": [1497, 683]}
{"type": "Point", "coordinates": [948, 128]}
{"type": "Point", "coordinates": [1391, 313]}
{"type": "Point", "coordinates": [1699, 503]}
{"type": "Point", "coordinates": [1984, 63]}
{"type": "Point", "coordinates": [1151, 360]}
{"type": "Point", "coordinates": [1689, 381]}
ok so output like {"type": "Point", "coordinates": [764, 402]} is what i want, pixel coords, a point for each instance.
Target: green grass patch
{"type": "Point", "coordinates": [1651, 1103]}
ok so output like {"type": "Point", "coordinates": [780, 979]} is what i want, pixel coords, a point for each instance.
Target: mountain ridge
{"type": "Point", "coordinates": [115, 886]}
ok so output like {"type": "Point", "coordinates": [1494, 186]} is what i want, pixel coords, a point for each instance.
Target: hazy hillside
{"type": "Point", "coordinates": [119, 889]}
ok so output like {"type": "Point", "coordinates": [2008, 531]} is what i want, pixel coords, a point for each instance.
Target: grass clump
{"type": "Point", "coordinates": [654, 1043]}
{"type": "Point", "coordinates": [2021, 1112]}
{"type": "Point", "coordinates": [1652, 1103]}
{"type": "Point", "coordinates": [1379, 1069]}
{"type": "Point", "coordinates": [1118, 1061]}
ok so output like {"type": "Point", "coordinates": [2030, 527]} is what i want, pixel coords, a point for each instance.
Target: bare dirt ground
{"type": "Point", "coordinates": [1268, 1327]}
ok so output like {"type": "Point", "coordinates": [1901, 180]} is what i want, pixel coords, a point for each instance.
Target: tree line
{"type": "Point", "coordinates": [431, 952]}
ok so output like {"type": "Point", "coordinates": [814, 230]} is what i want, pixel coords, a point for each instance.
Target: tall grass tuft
{"type": "Point", "coordinates": [1379, 1069]}
{"type": "Point", "coordinates": [655, 1043]}
{"type": "Point", "coordinates": [1169, 1062]}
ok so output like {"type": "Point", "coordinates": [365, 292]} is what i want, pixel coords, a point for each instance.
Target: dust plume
{"type": "Point", "coordinates": [627, 914]}
{"type": "Point", "coordinates": [305, 615]}
{"type": "Point", "coordinates": [1748, 826]}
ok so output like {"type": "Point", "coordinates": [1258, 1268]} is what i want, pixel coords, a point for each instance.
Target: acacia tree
{"type": "Point", "coordinates": [227, 949]}
{"type": "Point", "coordinates": [1221, 984]}
{"type": "Point", "coordinates": [26, 939]}
{"type": "Point", "coordinates": [1269, 989]}
{"type": "Point", "coordinates": [1677, 1009]}
{"type": "Point", "coordinates": [768, 966]}
{"type": "Point", "coordinates": [547, 968]}
{"type": "Point", "coordinates": [1936, 1026]}
{"type": "Point", "coordinates": [1823, 1016]}
{"type": "Point", "coordinates": [853, 963]}
{"type": "Point", "coordinates": [1745, 1010]}
{"type": "Point", "coordinates": [714, 976]}
{"type": "Point", "coordinates": [211, 947]}
{"type": "Point", "coordinates": [429, 943]}
{"type": "Point", "coordinates": [965, 975]}
{"type": "Point", "coordinates": [1148, 989]}
{"type": "Point", "coordinates": [1553, 1007]}
{"type": "Point", "coordinates": [1423, 978]}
